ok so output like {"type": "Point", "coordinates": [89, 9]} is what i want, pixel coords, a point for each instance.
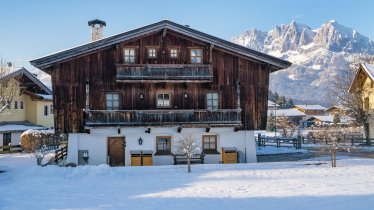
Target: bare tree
{"type": "Point", "coordinates": [333, 142]}
{"type": "Point", "coordinates": [8, 90]}
{"type": "Point", "coordinates": [285, 126]}
{"type": "Point", "coordinates": [186, 145]}
{"type": "Point", "coordinates": [339, 94]}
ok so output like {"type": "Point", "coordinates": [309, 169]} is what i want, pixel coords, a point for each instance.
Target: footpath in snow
{"type": "Point", "coordinates": [264, 186]}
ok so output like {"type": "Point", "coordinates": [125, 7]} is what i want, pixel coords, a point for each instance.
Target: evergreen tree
{"type": "Point", "coordinates": [290, 103]}
{"type": "Point", "coordinates": [271, 122]}
{"type": "Point", "coordinates": [276, 97]}
{"type": "Point", "coordinates": [282, 102]}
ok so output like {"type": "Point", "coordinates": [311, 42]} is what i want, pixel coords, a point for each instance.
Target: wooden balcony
{"type": "Point", "coordinates": [164, 73]}
{"type": "Point", "coordinates": [222, 117]}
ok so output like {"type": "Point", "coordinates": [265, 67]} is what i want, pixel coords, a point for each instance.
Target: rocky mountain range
{"type": "Point", "coordinates": [317, 56]}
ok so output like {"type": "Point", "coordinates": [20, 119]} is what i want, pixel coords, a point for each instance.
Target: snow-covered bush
{"type": "Point", "coordinates": [33, 139]}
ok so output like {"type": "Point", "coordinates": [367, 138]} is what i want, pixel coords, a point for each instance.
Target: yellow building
{"type": "Point", "coordinates": [30, 106]}
{"type": "Point", "coordinates": [364, 84]}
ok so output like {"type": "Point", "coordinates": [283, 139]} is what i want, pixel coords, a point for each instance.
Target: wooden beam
{"type": "Point", "coordinates": [117, 53]}
{"type": "Point", "coordinates": [211, 53]}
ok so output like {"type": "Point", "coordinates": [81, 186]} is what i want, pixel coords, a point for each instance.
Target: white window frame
{"type": "Point", "coordinates": [152, 52]}
{"type": "Point", "coordinates": [162, 102]}
{"type": "Point", "coordinates": [196, 56]}
{"type": "Point", "coordinates": [174, 53]}
{"type": "Point", "coordinates": [112, 101]}
{"type": "Point", "coordinates": [129, 55]}
{"type": "Point", "coordinates": [212, 101]}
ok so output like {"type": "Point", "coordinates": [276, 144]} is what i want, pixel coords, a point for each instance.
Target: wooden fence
{"type": "Point", "coordinates": [10, 149]}
{"type": "Point", "coordinates": [263, 141]}
{"type": "Point", "coordinates": [352, 138]}
{"type": "Point", "coordinates": [60, 154]}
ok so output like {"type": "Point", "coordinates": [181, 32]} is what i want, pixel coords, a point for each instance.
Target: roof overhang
{"type": "Point", "coordinates": [362, 69]}
{"type": "Point", "coordinates": [49, 60]}
{"type": "Point", "coordinates": [32, 77]}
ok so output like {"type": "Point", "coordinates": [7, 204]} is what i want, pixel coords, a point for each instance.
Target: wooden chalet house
{"type": "Point", "coordinates": [137, 92]}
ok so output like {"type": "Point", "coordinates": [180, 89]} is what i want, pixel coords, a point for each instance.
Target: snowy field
{"type": "Point", "coordinates": [270, 186]}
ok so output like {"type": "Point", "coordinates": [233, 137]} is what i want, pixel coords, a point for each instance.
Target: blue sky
{"type": "Point", "coordinates": [31, 29]}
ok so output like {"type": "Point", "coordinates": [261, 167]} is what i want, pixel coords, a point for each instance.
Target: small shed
{"type": "Point", "coordinates": [141, 157]}
{"type": "Point", "coordinates": [229, 155]}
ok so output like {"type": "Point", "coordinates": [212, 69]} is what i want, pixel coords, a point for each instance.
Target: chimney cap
{"type": "Point", "coordinates": [96, 21]}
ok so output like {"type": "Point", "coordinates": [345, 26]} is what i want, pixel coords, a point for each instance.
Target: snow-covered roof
{"type": "Point", "coordinates": [311, 107]}
{"type": "Point", "coordinates": [32, 77]}
{"type": "Point", "coordinates": [323, 118]}
{"type": "Point", "coordinates": [329, 118]}
{"type": "Point", "coordinates": [368, 69]}
{"type": "Point", "coordinates": [286, 113]}
{"type": "Point", "coordinates": [336, 107]}
{"type": "Point", "coordinates": [45, 96]}
{"type": "Point", "coordinates": [270, 103]}
{"type": "Point", "coordinates": [19, 127]}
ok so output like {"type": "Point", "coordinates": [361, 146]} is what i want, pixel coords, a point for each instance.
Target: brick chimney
{"type": "Point", "coordinates": [97, 27]}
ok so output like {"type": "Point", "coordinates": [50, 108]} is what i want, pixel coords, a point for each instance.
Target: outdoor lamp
{"type": "Point", "coordinates": [85, 157]}
{"type": "Point", "coordinates": [140, 141]}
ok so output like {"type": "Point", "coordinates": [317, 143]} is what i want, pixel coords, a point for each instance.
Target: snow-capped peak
{"type": "Point", "coordinates": [316, 55]}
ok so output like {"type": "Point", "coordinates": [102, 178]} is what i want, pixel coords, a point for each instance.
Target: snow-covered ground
{"type": "Point", "coordinates": [287, 185]}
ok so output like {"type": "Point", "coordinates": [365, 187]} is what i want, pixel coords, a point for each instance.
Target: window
{"type": "Point", "coordinates": [163, 100]}
{"type": "Point", "coordinates": [163, 145]}
{"type": "Point", "coordinates": [211, 101]}
{"type": "Point", "coordinates": [366, 103]}
{"type": "Point", "coordinates": [51, 109]}
{"type": "Point", "coordinates": [173, 53]}
{"type": "Point", "coordinates": [129, 55]}
{"type": "Point", "coordinates": [15, 104]}
{"type": "Point", "coordinates": [196, 55]}
{"type": "Point", "coordinates": [45, 110]}
{"type": "Point", "coordinates": [7, 139]}
{"type": "Point", "coordinates": [210, 144]}
{"type": "Point", "coordinates": [8, 105]}
{"type": "Point", "coordinates": [21, 104]}
{"type": "Point", "coordinates": [152, 53]}
{"type": "Point", "coordinates": [112, 101]}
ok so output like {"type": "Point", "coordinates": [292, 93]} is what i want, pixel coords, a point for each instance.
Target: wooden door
{"type": "Point", "coordinates": [116, 151]}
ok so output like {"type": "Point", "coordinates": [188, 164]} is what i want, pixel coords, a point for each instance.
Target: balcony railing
{"type": "Point", "coordinates": [164, 72]}
{"type": "Point", "coordinates": [162, 117]}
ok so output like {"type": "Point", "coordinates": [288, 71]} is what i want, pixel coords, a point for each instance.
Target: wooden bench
{"type": "Point", "coordinates": [182, 159]}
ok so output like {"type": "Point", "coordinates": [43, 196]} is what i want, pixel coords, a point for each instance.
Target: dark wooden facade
{"type": "Point", "coordinates": [230, 71]}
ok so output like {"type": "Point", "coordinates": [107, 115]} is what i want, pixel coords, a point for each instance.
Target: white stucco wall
{"type": "Point", "coordinates": [96, 143]}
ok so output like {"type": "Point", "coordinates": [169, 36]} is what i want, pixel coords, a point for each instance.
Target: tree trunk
{"type": "Point", "coordinates": [333, 158]}
{"type": "Point", "coordinates": [366, 130]}
{"type": "Point", "coordinates": [189, 164]}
